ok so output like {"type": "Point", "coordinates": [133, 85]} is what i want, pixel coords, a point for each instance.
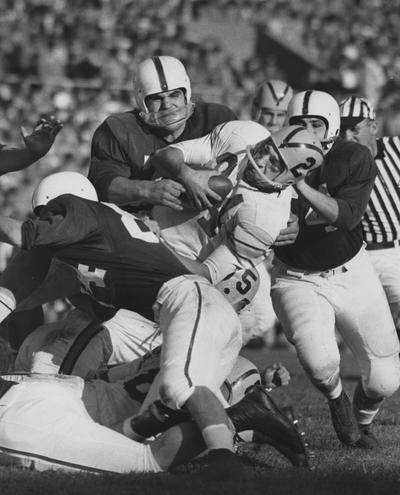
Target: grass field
{"type": "Point", "coordinates": [336, 469]}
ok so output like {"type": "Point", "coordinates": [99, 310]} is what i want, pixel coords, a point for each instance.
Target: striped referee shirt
{"type": "Point", "coordinates": [381, 221]}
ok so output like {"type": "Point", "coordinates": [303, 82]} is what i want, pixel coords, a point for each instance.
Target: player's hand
{"type": "Point", "coordinates": [289, 234]}
{"type": "Point", "coordinates": [198, 191]}
{"type": "Point", "coordinates": [275, 376]}
{"type": "Point", "coordinates": [165, 192]}
{"type": "Point", "coordinates": [41, 139]}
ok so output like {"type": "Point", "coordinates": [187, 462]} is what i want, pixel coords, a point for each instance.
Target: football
{"type": "Point", "coordinates": [220, 185]}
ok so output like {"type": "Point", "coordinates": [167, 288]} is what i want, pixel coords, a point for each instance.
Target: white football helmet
{"type": "Point", "coordinates": [157, 75]}
{"type": "Point", "coordinates": [62, 183]}
{"type": "Point", "coordinates": [357, 108]}
{"type": "Point", "coordinates": [273, 94]}
{"type": "Point", "coordinates": [317, 104]}
{"type": "Point", "coordinates": [297, 150]}
{"type": "Point", "coordinates": [243, 376]}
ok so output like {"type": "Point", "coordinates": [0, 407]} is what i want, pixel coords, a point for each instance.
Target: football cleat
{"type": "Point", "coordinates": [258, 412]}
{"type": "Point", "coordinates": [367, 440]}
{"type": "Point", "coordinates": [343, 420]}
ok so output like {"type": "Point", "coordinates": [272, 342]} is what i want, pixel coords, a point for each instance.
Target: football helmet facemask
{"type": "Point", "coordinates": [292, 149]}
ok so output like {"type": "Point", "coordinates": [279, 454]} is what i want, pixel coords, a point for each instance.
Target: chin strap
{"type": "Point", "coordinates": [160, 119]}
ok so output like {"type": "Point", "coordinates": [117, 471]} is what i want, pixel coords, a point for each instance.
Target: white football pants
{"type": "Point", "coordinates": [387, 265]}
{"type": "Point", "coordinates": [201, 339]}
{"type": "Point", "coordinates": [45, 426]}
{"type": "Point", "coordinates": [309, 305]}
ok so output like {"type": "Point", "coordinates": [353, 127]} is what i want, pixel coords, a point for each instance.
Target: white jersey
{"type": "Point", "coordinates": [245, 225]}
{"type": "Point", "coordinates": [187, 232]}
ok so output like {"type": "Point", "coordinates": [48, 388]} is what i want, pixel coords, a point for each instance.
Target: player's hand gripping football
{"type": "Point", "coordinates": [275, 376]}
{"type": "Point", "coordinates": [41, 139]}
{"type": "Point", "coordinates": [199, 189]}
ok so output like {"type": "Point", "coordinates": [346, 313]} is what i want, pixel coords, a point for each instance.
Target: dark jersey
{"type": "Point", "coordinates": [123, 142]}
{"type": "Point", "coordinates": [349, 173]}
{"type": "Point", "coordinates": [119, 261]}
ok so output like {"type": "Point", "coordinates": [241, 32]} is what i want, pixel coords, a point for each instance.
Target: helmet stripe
{"type": "Point", "coordinates": [271, 88]}
{"type": "Point", "coordinates": [274, 95]}
{"type": "Point", "coordinates": [291, 134]}
{"type": "Point", "coordinates": [306, 101]}
{"type": "Point", "coordinates": [160, 72]}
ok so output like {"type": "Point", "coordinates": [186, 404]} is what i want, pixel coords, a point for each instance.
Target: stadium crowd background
{"type": "Point", "coordinates": [76, 60]}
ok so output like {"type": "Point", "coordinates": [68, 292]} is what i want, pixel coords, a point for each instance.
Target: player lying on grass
{"type": "Point", "coordinates": [62, 422]}
{"type": "Point", "coordinates": [122, 264]}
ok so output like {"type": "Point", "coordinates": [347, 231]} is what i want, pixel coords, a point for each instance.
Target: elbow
{"type": "Point", "coordinates": [347, 222]}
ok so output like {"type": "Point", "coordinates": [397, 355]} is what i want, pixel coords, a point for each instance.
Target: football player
{"type": "Point", "coordinates": [249, 220]}
{"type": "Point", "coordinates": [165, 114]}
{"type": "Point", "coordinates": [270, 104]}
{"type": "Point", "coordinates": [120, 148]}
{"type": "Point", "coordinates": [83, 413]}
{"type": "Point", "coordinates": [269, 108]}
{"type": "Point", "coordinates": [381, 221]}
{"type": "Point", "coordinates": [326, 280]}
{"type": "Point", "coordinates": [122, 263]}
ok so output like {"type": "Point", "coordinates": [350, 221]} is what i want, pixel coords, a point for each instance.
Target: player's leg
{"type": "Point", "coordinates": [201, 340]}
{"type": "Point", "coordinates": [387, 264]}
{"type": "Point", "coordinates": [132, 336]}
{"type": "Point", "coordinates": [45, 425]}
{"type": "Point", "coordinates": [44, 350]}
{"type": "Point", "coordinates": [368, 329]}
{"type": "Point", "coordinates": [308, 319]}
{"type": "Point", "coordinates": [122, 339]}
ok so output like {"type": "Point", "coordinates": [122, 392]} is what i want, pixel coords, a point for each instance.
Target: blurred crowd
{"type": "Point", "coordinates": [76, 60]}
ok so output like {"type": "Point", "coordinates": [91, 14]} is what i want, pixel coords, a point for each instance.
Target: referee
{"type": "Point", "coordinates": [381, 221]}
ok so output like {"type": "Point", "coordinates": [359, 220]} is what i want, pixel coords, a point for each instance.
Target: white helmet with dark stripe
{"type": "Point", "coordinates": [157, 75]}
{"type": "Point", "coordinates": [273, 94]}
{"type": "Point", "coordinates": [297, 151]}
{"type": "Point", "coordinates": [318, 104]}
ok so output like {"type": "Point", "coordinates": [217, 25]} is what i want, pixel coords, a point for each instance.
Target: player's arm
{"type": "Point", "coordinates": [320, 200]}
{"type": "Point", "coordinates": [37, 144]}
{"type": "Point", "coordinates": [177, 162]}
{"type": "Point", "coordinates": [347, 207]}
{"type": "Point", "coordinates": [10, 231]}
{"type": "Point", "coordinates": [111, 176]}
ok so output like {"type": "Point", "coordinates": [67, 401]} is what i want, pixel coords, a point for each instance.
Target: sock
{"type": "Point", "coordinates": [218, 437]}
{"type": "Point", "coordinates": [335, 392]}
{"type": "Point", "coordinates": [365, 409]}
